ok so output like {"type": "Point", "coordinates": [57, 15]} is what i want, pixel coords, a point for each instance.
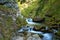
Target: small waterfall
{"type": "Point", "coordinates": [47, 36]}
{"type": "Point", "coordinates": [46, 28]}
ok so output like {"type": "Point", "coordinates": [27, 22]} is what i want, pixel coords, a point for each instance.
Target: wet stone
{"type": "Point", "coordinates": [34, 37]}
{"type": "Point", "coordinates": [18, 38]}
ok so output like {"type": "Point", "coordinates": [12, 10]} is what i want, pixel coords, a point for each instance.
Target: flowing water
{"type": "Point", "coordinates": [29, 29]}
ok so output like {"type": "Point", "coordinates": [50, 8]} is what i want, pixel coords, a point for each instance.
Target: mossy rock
{"type": "Point", "coordinates": [6, 9]}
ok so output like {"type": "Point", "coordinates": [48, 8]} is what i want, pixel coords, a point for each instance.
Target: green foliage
{"type": "Point", "coordinates": [20, 22]}
{"type": "Point", "coordinates": [37, 8]}
{"type": "Point", "coordinates": [41, 8]}
{"type": "Point", "coordinates": [31, 10]}
{"type": "Point", "coordinates": [22, 1]}
{"type": "Point", "coordinates": [54, 11]}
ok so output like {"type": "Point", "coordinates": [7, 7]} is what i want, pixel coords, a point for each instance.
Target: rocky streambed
{"type": "Point", "coordinates": [28, 33]}
{"type": "Point", "coordinates": [29, 36]}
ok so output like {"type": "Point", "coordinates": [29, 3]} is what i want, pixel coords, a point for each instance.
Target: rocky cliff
{"type": "Point", "coordinates": [8, 14]}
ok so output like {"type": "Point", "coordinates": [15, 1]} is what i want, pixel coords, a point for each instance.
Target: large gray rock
{"type": "Point", "coordinates": [34, 37]}
{"type": "Point", "coordinates": [2, 1]}
{"type": "Point", "coordinates": [29, 37]}
{"type": "Point", "coordinates": [18, 38]}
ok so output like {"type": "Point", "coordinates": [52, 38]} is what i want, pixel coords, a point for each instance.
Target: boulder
{"type": "Point", "coordinates": [34, 37]}
{"type": "Point", "coordinates": [18, 38]}
{"type": "Point", "coordinates": [38, 19]}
